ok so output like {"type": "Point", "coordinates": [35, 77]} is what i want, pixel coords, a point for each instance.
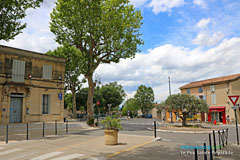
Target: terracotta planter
{"type": "Point", "coordinates": [111, 137]}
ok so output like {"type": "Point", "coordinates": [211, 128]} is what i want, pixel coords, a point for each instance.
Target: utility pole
{"type": "Point", "coordinates": [169, 85]}
{"type": "Point", "coordinates": [170, 95]}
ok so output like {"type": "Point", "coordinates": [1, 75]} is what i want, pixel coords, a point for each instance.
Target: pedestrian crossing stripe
{"type": "Point", "coordinates": [69, 157]}
{"type": "Point", "coordinates": [10, 151]}
{"type": "Point", "coordinates": [46, 156]}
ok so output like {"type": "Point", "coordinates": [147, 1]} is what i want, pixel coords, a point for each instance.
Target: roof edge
{"type": "Point", "coordinates": [27, 53]}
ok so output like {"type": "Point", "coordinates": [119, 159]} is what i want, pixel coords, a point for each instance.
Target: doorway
{"type": "Point", "coordinates": [16, 109]}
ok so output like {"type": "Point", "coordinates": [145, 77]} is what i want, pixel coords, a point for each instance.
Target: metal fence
{"type": "Point", "coordinates": [18, 132]}
{"type": "Point", "coordinates": [216, 141]}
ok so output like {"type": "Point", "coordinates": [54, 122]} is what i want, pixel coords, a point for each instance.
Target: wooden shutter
{"type": "Point", "coordinates": [47, 71]}
{"type": "Point", "coordinates": [18, 71]}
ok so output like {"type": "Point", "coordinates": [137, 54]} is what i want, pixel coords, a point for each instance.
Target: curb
{"type": "Point", "coordinates": [191, 132]}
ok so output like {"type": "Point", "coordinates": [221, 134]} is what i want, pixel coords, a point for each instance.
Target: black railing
{"type": "Point", "coordinates": [37, 130]}
{"type": "Point", "coordinates": [222, 141]}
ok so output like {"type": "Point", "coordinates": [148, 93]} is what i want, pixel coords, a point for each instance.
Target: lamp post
{"type": "Point", "coordinates": [98, 83]}
{"type": "Point", "coordinates": [109, 108]}
{"type": "Point", "coordinates": [169, 86]}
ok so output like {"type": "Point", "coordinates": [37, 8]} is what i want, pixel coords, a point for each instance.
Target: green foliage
{"type": "Point", "coordinates": [12, 11]}
{"type": "Point", "coordinates": [112, 123]}
{"type": "Point", "coordinates": [103, 30]}
{"type": "Point", "coordinates": [81, 97]}
{"type": "Point", "coordinates": [186, 104]}
{"type": "Point", "coordinates": [161, 107]}
{"type": "Point", "coordinates": [145, 98]}
{"type": "Point", "coordinates": [68, 101]}
{"type": "Point", "coordinates": [74, 63]}
{"type": "Point", "coordinates": [112, 93]}
{"type": "Point", "coordinates": [132, 106]}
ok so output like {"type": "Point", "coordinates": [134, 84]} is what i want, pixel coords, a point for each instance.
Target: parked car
{"type": "Point", "coordinates": [148, 116]}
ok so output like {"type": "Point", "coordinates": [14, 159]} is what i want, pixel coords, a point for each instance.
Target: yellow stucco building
{"type": "Point", "coordinates": [31, 86]}
{"type": "Point", "coordinates": [216, 91]}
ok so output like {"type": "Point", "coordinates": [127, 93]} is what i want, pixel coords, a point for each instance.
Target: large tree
{"type": "Point", "coordinates": [11, 13]}
{"type": "Point", "coordinates": [132, 106]}
{"type": "Point", "coordinates": [74, 63]}
{"type": "Point", "coordinates": [113, 94]}
{"type": "Point", "coordinates": [145, 98]}
{"type": "Point", "coordinates": [103, 30]}
{"type": "Point", "coordinates": [186, 104]}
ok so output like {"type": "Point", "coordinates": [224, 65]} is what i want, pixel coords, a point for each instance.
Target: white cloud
{"type": "Point", "coordinates": [200, 3]}
{"type": "Point", "coordinates": [182, 64]}
{"type": "Point", "coordinates": [203, 22]}
{"type": "Point", "coordinates": [205, 39]}
{"type": "Point", "coordinates": [37, 36]}
{"type": "Point", "coordinates": [164, 5]}
{"type": "Point", "coordinates": [138, 3]}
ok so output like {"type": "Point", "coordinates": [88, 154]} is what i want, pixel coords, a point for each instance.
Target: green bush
{"type": "Point", "coordinates": [112, 123]}
{"type": "Point", "coordinates": [90, 122]}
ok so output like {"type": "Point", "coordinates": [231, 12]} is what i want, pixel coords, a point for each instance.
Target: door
{"type": "Point", "coordinates": [15, 110]}
{"type": "Point", "coordinates": [220, 117]}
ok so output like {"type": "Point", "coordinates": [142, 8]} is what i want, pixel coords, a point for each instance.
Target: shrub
{"type": "Point", "coordinates": [112, 123]}
{"type": "Point", "coordinates": [90, 122]}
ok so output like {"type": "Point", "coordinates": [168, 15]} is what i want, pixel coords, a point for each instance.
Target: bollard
{"type": "Point", "coordinates": [43, 129]}
{"type": "Point", "coordinates": [196, 155]}
{"type": "Point", "coordinates": [222, 137]}
{"type": "Point", "coordinates": [210, 145]}
{"type": "Point", "coordinates": [27, 132]}
{"type": "Point", "coordinates": [66, 126]}
{"type": "Point", "coordinates": [219, 140]}
{"type": "Point", "coordinates": [214, 142]}
{"type": "Point", "coordinates": [205, 151]}
{"type": "Point", "coordinates": [155, 130]}
{"type": "Point", "coordinates": [227, 136]}
{"type": "Point", "coordinates": [7, 134]}
{"type": "Point", "coordinates": [55, 127]}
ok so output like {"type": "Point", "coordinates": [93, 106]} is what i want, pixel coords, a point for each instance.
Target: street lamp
{"type": "Point", "coordinates": [109, 108]}
{"type": "Point", "coordinates": [98, 83]}
{"type": "Point", "coordinates": [170, 95]}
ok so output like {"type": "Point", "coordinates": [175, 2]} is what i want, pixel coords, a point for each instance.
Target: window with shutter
{"type": "Point", "coordinates": [45, 104]}
{"type": "Point", "coordinates": [213, 98]}
{"type": "Point", "coordinates": [18, 71]}
{"type": "Point", "coordinates": [47, 71]}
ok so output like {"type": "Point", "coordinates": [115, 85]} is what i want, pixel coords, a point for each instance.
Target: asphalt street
{"type": "Point", "coordinates": [135, 143]}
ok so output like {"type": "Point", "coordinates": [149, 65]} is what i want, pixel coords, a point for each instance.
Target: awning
{"type": "Point", "coordinates": [217, 108]}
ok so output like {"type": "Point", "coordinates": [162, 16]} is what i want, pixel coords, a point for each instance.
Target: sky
{"type": "Point", "coordinates": [186, 40]}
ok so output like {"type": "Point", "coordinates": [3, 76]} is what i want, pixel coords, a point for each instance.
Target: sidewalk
{"type": "Point", "coordinates": [88, 147]}
{"type": "Point", "coordinates": [230, 152]}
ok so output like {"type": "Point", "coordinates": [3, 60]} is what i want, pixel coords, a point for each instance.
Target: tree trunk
{"type": "Point", "coordinates": [74, 104]}
{"type": "Point", "coordinates": [90, 97]}
{"type": "Point", "coordinates": [184, 120]}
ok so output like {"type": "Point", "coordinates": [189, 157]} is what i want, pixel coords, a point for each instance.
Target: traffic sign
{"type": "Point", "coordinates": [233, 99]}
{"type": "Point", "coordinates": [235, 107]}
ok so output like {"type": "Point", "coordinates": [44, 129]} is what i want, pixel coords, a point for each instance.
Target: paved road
{"type": "Point", "coordinates": [135, 143]}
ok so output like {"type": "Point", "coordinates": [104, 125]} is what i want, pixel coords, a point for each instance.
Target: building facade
{"type": "Point", "coordinates": [31, 86]}
{"type": "Point", "coordinates": [216, 91]}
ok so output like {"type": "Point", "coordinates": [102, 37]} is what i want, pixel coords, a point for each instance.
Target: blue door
{"type": "Point", "coordinates": [16, 110]}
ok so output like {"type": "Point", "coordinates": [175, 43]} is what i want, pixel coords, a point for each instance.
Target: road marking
{"type": "Point", "coordinates": [128, 149]}
{"type": "Point", "coordinates": [10, 151]}
{"type": "Point", "coordinates": [23, 156]}
{"type": "Point", "coordinates": [64, 148]}
{"type": "Point", "coordinates": [46, 156]}
{"type": "Point", "coordinates": [69, 157]}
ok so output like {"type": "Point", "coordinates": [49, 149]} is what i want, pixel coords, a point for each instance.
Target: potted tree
{"type": "Point", "coordinates": [112, 126]}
